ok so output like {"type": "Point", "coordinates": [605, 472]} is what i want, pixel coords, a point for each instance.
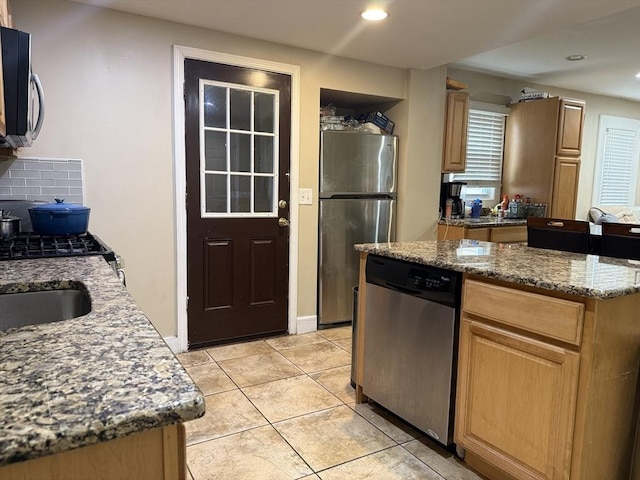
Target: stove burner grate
{"type": "Point", "coordinates": [30, 245]}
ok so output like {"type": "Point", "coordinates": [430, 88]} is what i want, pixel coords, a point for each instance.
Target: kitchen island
{"type": "Point", "coordinates": [549, 351]}
{"type": "Point", "coordinates": [98, 396]}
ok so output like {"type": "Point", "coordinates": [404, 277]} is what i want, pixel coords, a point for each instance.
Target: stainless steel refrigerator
{"type": "Point", "coordinates": [357, 196]}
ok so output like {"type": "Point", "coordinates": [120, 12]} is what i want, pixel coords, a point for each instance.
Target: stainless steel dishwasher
{"type": "Point", "coordinates": [411, 339]}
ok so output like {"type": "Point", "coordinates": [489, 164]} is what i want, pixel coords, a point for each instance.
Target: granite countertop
{"type": "Point", "coordinates": [94, 378]}
{"type": "Point", "coordinates": [483, 222]}
{"type": "Point", "coordinates": [579, 274]}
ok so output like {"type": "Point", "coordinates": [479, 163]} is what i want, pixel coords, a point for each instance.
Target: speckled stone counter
{"type": "Point", "coordinates": [483, 222]}
{"type": "Point", "coordinates": [91, 379]}
{"type": "Point", "coordinates": [578, 274]}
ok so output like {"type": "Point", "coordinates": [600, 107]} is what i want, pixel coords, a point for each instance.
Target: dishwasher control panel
{"type": "Point", "coordinates": [423, 281]}
{"type": "Point", "coordinates": [426, 279]}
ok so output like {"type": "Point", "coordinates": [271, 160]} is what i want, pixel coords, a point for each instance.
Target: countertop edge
{"type": "Point", "coordinates": [44, 411]}
{"type": "Point", "coordinates": [523, 276]}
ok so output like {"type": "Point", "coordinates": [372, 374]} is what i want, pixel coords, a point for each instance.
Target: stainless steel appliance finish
{"type": "Point", "coordinates": [22, 90]}
{"type": "Point", "coordinates": [410, 347]}
{"type": "Point", "coordinates": [20, 208]}
{"type": "Point", "coordinates": [451, 191]}
{"type": "Point", "coordinates": [9, 225]}
{"type": "Point", "coordinates": [357, 205]}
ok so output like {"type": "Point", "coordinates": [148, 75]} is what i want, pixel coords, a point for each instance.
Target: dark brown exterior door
{"type": "Point", "coordinates": [237, 124]}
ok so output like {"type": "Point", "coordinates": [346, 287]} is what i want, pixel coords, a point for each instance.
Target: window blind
{"type": "Point", "coordinates": [618, 167]}
{"type": "Point", "coordinates": [485, 140]}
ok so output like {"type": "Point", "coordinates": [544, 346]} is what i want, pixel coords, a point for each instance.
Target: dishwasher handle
{"type": "Point", "coordinates": [408, 291]}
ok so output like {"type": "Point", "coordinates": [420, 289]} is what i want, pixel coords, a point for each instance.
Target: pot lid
{"type": "Point", "coordinates": [60, 206]}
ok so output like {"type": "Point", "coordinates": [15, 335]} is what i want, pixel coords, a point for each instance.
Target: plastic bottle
{"type": "Point", "coordinates": [513, 208]}
{"type": "Point", "coordinates": [505, 203]}
{"type": "Point", "coordinates": [476, 206]}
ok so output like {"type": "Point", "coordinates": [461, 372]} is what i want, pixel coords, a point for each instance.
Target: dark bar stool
{"type": "Point", "coordinates": [621, 240]}
{"type": "Point", "coordinates": [558, 234]}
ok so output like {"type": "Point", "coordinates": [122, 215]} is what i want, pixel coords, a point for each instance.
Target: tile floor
{"type": "Point", "coordinates": [283, 408]}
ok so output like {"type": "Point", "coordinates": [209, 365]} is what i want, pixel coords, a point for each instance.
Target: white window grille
{"type": "Point", "coordinates": [617, 158]}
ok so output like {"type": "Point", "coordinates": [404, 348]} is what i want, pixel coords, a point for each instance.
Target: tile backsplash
{"type": "Point", "coordinates": [42, 179]}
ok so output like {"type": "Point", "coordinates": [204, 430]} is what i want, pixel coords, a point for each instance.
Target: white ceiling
{"type": "Point", "coordinates": [526, 39]}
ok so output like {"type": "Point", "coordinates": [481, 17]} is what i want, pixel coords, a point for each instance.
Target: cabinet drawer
{"type": "Point", "coordinates": [509, 234]}
{"type": "Point", "coordinates": [548, 316]}
{"type": "Point", "coordinates": [477, 234]}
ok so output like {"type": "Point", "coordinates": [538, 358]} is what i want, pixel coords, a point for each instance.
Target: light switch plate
{"type": "Point", "coordinates": [305, 196]}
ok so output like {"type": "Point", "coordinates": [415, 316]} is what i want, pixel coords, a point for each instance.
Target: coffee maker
{"type": "Point", "coordinates": [451, 191]}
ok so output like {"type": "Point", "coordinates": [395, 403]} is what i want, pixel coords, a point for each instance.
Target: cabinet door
{"type": "Point", "coordinates": [565, 188]}
{"type": "Point", "coordinates": [516, 401]}
{"type": "Point", "coordinates": [513, 234]}
{"type": "Point", "coordinates": [450, 232]}
{"type": "Point", "coordinates": [570, 127]}
{"type": "Point", "coordinates": [477, 234]}
{"type": "Point", "coordinates": [455, 132]}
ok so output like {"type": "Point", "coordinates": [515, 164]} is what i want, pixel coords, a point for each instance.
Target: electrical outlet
{"type": "Point", "coordinates": [305, 196]}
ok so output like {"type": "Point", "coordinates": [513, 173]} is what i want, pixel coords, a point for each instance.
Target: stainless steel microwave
{"type": "Point", "coordinates": [23, 94]}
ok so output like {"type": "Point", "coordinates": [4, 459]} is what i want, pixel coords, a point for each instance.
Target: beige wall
{"type": "Point", "coordinates": [493, 89]}
{"type": "Point", "coordinates": [108, 82]}
{"type": "Point", "coordinates": [420, 153]}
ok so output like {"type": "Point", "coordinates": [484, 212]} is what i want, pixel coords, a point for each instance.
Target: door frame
{"type": "Point", "coordinates": [180, 53]}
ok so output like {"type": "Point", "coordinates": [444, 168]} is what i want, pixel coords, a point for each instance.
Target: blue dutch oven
{"type": "Point", "coordinates": [59, 218]}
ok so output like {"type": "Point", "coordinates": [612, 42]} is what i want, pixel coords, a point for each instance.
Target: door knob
{"type": "Point", "coordinates": [283, 222]}
{"type": "Point", "coordinates": [282, 204]}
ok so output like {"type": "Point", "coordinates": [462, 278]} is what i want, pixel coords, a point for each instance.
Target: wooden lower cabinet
{"type": "Point", "coordinates": [547, 383]}
{"type": "Point", "coordinates": [518, 401]}
{"type": "Point", "coordinates": [503, 234]}
{"type": "Point", "coordinates": [157, 454]}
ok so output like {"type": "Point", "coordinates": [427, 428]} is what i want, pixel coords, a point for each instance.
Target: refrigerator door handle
{"type": "Point", "coordinates": [358, 196]}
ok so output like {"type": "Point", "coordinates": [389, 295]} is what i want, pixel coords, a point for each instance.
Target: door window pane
{"type": "Point", "coordinates": [264, 112]}
{"type": "Point", "coordinates": [240, 111]}
{"type": "Point", "coordinates": [240, 153]}
{"type": "Point", "coordinates": [215, 106]}
{"type": "Point", "coordinates": [240, 194]}
{"type": "Point", "coordinates": [239, 161]}
{"type": "Point", "coordinates": [215, 193]}
{"type": "Point", "coordinates": [215, 150]}
{"type": "Point", "coordinates": [263, 154]}
{"type": "Point", "coordinates": [263, 194]}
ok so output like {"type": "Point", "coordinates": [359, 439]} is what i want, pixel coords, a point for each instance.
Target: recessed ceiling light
{"type": "Point", "coordinates": [576, 58]}
{"type": "Point", "coordinates": [374, 14]}
{"type": "Point", "coordinates": [638, 75]}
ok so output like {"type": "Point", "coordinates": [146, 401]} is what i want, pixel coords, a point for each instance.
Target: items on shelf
{"type": "Point", "coordinates": [527, 94]}
{"type": "Point", "coordinates": [371, 122]}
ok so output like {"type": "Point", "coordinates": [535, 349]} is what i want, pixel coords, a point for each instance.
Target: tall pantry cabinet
{"type": "Point", "coordinates": [542, 153]}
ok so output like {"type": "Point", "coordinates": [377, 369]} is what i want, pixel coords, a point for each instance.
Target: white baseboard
{"type": "Point", "coordinates": [307, 324]}
{"type": "Point", "coordinates": [173, 343]}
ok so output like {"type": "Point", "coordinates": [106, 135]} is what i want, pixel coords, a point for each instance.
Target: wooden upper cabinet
{"type": "Point", "coordinates": [570, 127]}
{"type": "Point", "coordinates": [455, 132]}
{"type": "Point", "coordinates": [542, 153]}
{"type": "Point", "coordinates": [5, 14]}
{"type": "Point", "coordinates": [565, 187]}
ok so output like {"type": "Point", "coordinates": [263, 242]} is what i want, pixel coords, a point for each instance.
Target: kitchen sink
{"type": "Point", "coordinates": [44, 306]}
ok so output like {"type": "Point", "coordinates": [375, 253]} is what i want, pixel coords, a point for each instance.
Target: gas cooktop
{"type": "Point", "coordinates": [31, 245]}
